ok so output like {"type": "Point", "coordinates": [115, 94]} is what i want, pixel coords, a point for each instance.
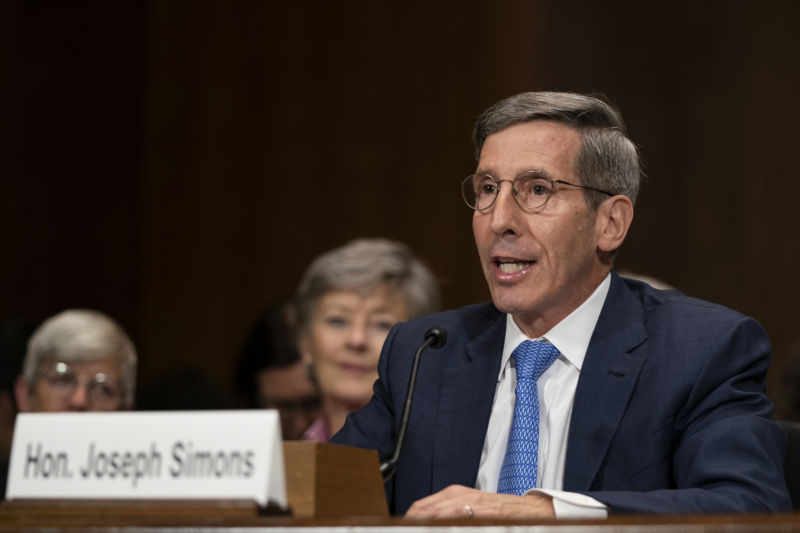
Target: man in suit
{"type": "Point", "coordinates": [642, 401]}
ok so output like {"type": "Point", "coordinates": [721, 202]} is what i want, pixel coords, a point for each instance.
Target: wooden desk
{"type": "Point", "coordinates": [41, 516]}
{"type": "Point", "coordinates": [333, 487]}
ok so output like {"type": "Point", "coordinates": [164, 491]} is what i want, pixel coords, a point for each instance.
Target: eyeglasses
{"type": "Point", "coordinates": [102, 389]}
{"type": "Point", "coordinates": [530, 189]}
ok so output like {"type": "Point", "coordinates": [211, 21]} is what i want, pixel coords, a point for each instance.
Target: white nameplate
{"type": "Point", "coordinates": [149, 455]}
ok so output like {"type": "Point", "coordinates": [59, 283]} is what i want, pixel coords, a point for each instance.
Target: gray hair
{"type": "Point", "coordinates": [363, 265]}
{"type": "Point", "coordinates": [607, 158]}
{"type": "Point", "coordinates": [79, 335]}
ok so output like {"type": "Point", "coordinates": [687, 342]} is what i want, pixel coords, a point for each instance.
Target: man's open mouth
{"type": "Point", "coordinates": [509, 267]}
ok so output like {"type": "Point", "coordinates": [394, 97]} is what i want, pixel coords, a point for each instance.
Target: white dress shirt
{"type": "Point", "coordinates": [556, 388]}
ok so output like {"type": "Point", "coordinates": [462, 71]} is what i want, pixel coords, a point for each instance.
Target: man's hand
{"type": "Point", "coordinates": [456, 501]}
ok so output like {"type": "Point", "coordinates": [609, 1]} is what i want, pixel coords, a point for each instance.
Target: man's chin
{"type": "Point", "coordinates": [508, 299]}
{"type": "Point", "coordinates": [510, 306]}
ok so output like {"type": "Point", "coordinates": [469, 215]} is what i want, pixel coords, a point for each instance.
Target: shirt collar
{"type": "Point", "coordinates": [571, 336]}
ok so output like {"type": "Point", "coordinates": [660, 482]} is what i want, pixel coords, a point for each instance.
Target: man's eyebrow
{"type": "Point", "coordinates": [538, 172]}
{"type": "Point", "coordinates": [485, 171]}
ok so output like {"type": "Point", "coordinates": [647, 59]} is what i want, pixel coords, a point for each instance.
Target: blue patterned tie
{"type": "Point", "coordinates": [520, 465]}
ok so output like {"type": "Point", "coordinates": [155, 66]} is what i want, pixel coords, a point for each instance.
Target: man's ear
{"type": "Point", "coordinates": [614, 219]}
{"type": "Point", "coordinates": [22, 393]}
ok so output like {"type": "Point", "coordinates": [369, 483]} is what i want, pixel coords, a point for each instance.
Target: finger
{"type": "Point", "coordinates": [440, 511]}
{"type": "Point", "coordinates": [447, 503]}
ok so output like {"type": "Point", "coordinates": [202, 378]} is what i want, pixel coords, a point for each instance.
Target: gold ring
{"type": "Point", "coordinates": [468, 509]}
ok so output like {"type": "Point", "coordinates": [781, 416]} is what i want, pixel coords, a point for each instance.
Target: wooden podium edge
{"type": "Point", "coordinates": [332, 480]}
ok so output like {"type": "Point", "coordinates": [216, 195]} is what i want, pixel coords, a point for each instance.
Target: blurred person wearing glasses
{"type": "Point", "coordinates": [78, 360]}
{"type": "Point", "coordinates": [346, 303]}
{"type": "Point", "coordinates": [574, 392]}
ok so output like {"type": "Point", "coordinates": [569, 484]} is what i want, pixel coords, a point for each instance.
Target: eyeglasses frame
{"type": "Point", "coordinates": [43, 375]}
{"type": "Point", "coordinates": [515, 193]}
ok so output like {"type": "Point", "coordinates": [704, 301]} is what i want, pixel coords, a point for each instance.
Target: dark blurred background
{"type": "Point", "coordinates": [177, 164]}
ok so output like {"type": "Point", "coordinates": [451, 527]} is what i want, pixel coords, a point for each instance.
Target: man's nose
{"type": "Point", "coordinates": [79, 400]}
{"type": "Point", "coordinates": [505, 211]}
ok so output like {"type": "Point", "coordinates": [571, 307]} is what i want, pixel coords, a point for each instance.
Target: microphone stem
{"type": "Point", "coordinates": [388, 467]}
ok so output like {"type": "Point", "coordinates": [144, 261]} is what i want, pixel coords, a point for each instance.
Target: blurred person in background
{"type": "Point", "coordinates": [270, 375]}
{"type": "Point", "coordinates": [14, 335]}
{"type": "Point", "coordinates": [346, 303]}
{"type": "Point", "coordinates": [77, 360]}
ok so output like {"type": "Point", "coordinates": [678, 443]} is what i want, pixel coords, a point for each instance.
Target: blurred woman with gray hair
{"type": "Point", "coordinates": [77, 360]}
{"type": "Point", "coordinates": [346, 303]}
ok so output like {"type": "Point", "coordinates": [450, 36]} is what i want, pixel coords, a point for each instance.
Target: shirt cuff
{"type": "Point", "coordinates": [574, 505]}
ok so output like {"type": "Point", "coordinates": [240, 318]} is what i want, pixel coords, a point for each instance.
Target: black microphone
{"type": "Point", "coordinates": [434, 338]}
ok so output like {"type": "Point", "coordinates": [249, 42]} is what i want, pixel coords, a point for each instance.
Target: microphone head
{"type": "Point", "coordinates": [438, 335]}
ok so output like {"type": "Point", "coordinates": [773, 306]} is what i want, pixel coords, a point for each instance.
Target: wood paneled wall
{"type": "Point", "coordinates": [178, 164]}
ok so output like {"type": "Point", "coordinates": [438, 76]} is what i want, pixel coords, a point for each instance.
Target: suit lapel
{"type": "Point", "coordinates": [607, 379]}
{"type": "Point", "coordinates": [465, 404]}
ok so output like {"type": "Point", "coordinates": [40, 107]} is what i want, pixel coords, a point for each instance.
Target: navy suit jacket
{"type": "Point", "coordinates": [670, 412]}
